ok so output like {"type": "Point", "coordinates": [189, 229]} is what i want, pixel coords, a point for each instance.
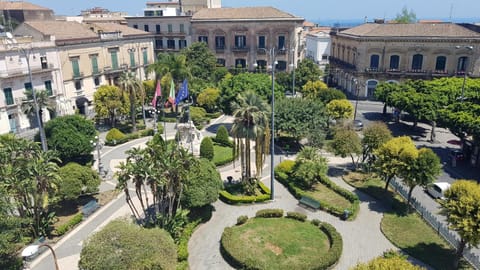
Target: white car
{"type": "Point", "coordinates": [437, 190]}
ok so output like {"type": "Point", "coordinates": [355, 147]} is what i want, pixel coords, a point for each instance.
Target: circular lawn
{"type": "Point", "coordinates": [276, 243]}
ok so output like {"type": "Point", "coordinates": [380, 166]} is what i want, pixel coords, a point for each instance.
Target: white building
{"type": "Point", "coordinates": [318, 45]}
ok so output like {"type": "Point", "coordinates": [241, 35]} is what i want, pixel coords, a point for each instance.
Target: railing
{"type": "Point", "coordinates": [440, 227]}
{"type": "Point", "coordinates": [78, 75]}
{"type": "Point", "coordinates": [340, 63]}
{"type": "Point", "coordinates": [240, 49]}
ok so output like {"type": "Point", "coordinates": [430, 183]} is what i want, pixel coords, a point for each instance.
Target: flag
{"type": "Point", "coordinates": [171, 97]}
{"type": "Point", "coordinates": [158, 93]}
{"type": "Point", "coordinates": [183, 93]}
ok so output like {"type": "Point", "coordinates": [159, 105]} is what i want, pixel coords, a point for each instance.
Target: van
{"type": "Point", "coordinates": [437, 190]}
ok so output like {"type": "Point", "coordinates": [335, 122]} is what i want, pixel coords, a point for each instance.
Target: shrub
{"type": "Point", "coordinates": [316, 222]}
{"type": "Point", "coordinates": [234, 199]}
{"type": "Point", "coordinates": [149, 131]}
{"type": "Point", "coordinates": [114, 135]}
{"type": "Point", "coordinates": [269, 213]}
{"type": "Point", "coordinates": [76, 180]}
{"type": "Point", "coordinates": [222, 136]}
{"type": "Point", "coordinates": [198, 115]}
{"type": "Point", "coordinates": [336, 246]}
{"type": "Point", "coordinates": [285, 167]}
{"type": "Point", "coordinates": [62, 229]}
{"type": "Point", "coordinates": [182, 247]}
{"type": "Point", "coordinates": [206, 148]}
{"type": "Point", "coordinates": [241, 220]}
{"type": "Point", "coordinates": [298, 216]}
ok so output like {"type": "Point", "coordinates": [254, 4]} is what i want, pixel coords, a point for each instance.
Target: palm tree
{"type": "Point", "coordinates": [175, 64]}
{"type": "Point", "coordinates": [251, 121]}
{"type": "Point", "coordinates": [130, 84]}
{"type": "Point", "coordinates": [43, 101]}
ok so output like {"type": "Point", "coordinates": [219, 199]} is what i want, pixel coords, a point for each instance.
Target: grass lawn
{"type": "Point", "coordinates": [407, 231]}
{"type": "Point", "coordinates": [222, 154]}
{"type": "Point", "coordinates": [322, 193]}
{"type": "Point", "coordinates": [276, 243]}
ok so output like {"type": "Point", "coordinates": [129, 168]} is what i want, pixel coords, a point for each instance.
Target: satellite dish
{"type": "Point", "coordinates": [9, 35]}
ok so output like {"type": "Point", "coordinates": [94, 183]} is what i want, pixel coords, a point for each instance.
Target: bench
{"type": "Point", "coordinates": [309, 202]}
{"type": "Point", "coordinates": [89, 208]}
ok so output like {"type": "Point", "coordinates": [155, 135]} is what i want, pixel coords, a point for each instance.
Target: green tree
{"type": "Point", "coordinates": [206, 148]}
{"type": "Point", "coordinates": [200, 60]}
{"type": "Point", "coordinates": [340, 109]}
{"type": "Point", "coordinates": [110, 102]}
{"type": "Point", "coordinates": [222, 136]}
{"type": "Point", "coordinates": [12, 233]}
{"type": "Point", "coordinates": [462, 208]}
{"type": "Point", "coordinates": [346, 142]}
{"type": "Point", "coordinates": [134, 88]}
{"type": "Point", "coordinates": [133, 247]}
{"type": "Point", "coordinates": [329, 94]}
{"type": "Point", "coordinates": [76, 180]}
{"type": "Point", "coordinates": [43, 101]}
{"type": "Point", "coordinates": [70, 136]}
{"type": "Point", "coordinates": [202, 185]}
{"type": "Point", "coordinates": [208, 99]}
{"type": "Point", "coordinates": [175, 65]}
{"type": "Point", "coordinates": [309, 167]}
{"type": "Point", "coordinates": [374, 135]}
{"type": "Point", "coordinates": [306, 71]}
{"type": "Point", "coordinates": [406, 16]}
{"type": "Point", "coordinates": [383, 91]}
{"type": "Point", "coordinates": [312, 89]}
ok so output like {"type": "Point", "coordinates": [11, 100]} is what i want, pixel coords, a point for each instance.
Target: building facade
{"type": "Point", "coordinates": [363, 56]}
{"type": "Point", "coordinates": [245, 37]}
{"type": "Point", "coordinates": [317, 41]}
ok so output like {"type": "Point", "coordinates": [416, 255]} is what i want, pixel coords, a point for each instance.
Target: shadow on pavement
{"type": "Point", "coordinates": [213, 128]}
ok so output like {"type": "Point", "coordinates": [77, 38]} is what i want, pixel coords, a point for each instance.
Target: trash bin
{"type": "Point", "coordinates": [346, 214]}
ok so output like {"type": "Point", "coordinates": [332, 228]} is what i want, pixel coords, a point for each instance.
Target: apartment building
{"type": "Point", "coordinates": [363, 56]}
{"type": "Point", "coordinates": [245, 37]}
{"type": "Point", "coordinates": [317, 41]}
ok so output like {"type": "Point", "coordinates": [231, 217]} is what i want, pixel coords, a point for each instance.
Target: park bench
{"type": "Point", "coordinates": [309, 202]}
{"type": "Point", "coordinates": [89, 208]}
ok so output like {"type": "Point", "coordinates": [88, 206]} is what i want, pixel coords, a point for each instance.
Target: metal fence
{"type": "Point", "coordinates": [439, 226]}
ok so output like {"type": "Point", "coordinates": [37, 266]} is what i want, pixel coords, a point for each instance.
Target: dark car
{"type": "Point", "coordinates": [457, 155]}
{"type": "Point", "coordinates": [357, 125]}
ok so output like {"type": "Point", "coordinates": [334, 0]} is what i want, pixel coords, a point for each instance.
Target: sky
{"type": "Point", "coordinates": [311, 10]}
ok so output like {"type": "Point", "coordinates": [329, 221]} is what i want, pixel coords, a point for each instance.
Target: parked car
{"type": "Point", "coordinates": [357, 125]}
{"type": "Point", "coordinates": [437, 190]}
{"type": "Point", "coordinates": [457, 155]}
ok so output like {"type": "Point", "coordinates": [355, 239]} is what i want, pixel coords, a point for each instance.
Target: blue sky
{"type": "Point", "coordinates": [312, 10]}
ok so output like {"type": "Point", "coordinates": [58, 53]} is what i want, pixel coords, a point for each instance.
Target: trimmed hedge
{"type": "Point", "coordinates": [182, 247]}
{"type": "Point", "coordinates": [269, 213]}
{"type": "Point", "coordinates": [298, 216]}
{"type": "Point", "coordinates": [336, 247]}
{"type": "Point", "coordinates": [226, 197]}
{"type": "Point", "coordinates": [62, 229]}
{"type": "Point", "coordinates": [242, 220]}
{"type": "Point", "coordinates": [128, 137]}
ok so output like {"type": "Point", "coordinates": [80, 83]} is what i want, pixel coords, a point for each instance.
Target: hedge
{"type": "Point", "coordinates": [269, 213]}
{"type": "Point", "coordinates": [182, 247]}
{"type": "Point", "coordinates": [234, 199]}
{"type": "Point", "coordinates": [62, 229]}
{"type": "Point", "coordinates": [242, 220]}
{"type": "Point", "coordinates": [129, 137]}
{"type": "Point", "coordinates": [298, 216]}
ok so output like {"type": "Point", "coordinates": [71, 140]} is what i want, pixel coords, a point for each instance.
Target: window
{"type": "Point", "coordinates": [182, 43]}
{"type": "Point", "coordinates": [146, 28]}
{"type": "Point", "coordinates": [159, 43]}
{"type": "Point", "coordinates": [281, 66]}
{"type": "Point", "coordinates": [28, 85]}
{"type": "Point", "coordinates": [149, 13]}
{"type": "Point", "coordinates": [94, 60]}
{"type": "Point", "coordinates": [43, 61]}
{"type": "Point", "coordinates": [170, 28]}
{"type": "Point", "coordinates": [145, 56]}
{"type": "Point", "coordinates": [96, 81]}
{"type": "Point", "coordinates": [158, 12]}
{"type": "Point", "coordinates": [462, 64]}
{"type": "Point", "coordinates": [132, 58]}
{"type": "Point", "coordinates": [8, 96]}
{"type": "Point", "coordinates": [157, 28]}
{"type": "Point", "coordinates": [78, 85]}
{"type": "Point", "coordinates": [374, 61]}
{"type": "Point", "coordinates": [240, 41]}
{"type": "Point", "coordinates": [441, 63]}
{"type": "Point", "coordinates": [394, 62]}
{"type": "Point", "coordinates": [182, 28]}
{"type": "Point", "coordinates": [417, 62]}
{"type": "Point", "coordinates": [221, 62]}
{"type": "Point", "coordinates": [48, 87]}
{"type": "Point", "coordinates": [261, 42]}
{"type": "Point", "coordinates": [240, 63]}
{"type": "Point", "coordinates": [171, 44]}
{"type": "Point", "coordinates": [203, 39]}
{"type": "Point", "coordinates": [262, 64]}
{"type": "Point", "coordinates": [220, 42]}
{"type": "Point", "coordinates": [135, 26]}
{"type": "Point", "coordinates": [281, 42]}
{"type": "Point", "coordinates": [75, 67]}
{"type": "Point", "coordinates": [114, 58]}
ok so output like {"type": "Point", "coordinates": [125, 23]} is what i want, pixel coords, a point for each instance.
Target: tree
{"type": "Point", "coordinates": [206, 148]}
{"type": "Point", "coordinates": [76, 180]}
{"type": "Point", "coordinates": [374, 135]}
{"type": "Point", "coordinates": [134, 88]}
{"type": "Point", "coordinates": [70, 136]}
{"type": "Point", "coordinates": [383, 91]}
{"type": "Point", "coordinates": [329, 94]}
{"type": "Point", "coordinates": [200, 60]}
{"type": "Point", "coordinates": [306, 71]}
{"type": "Point", "coordinates": [110, 102]}
{"type": "Point", "coordinates": [312, 89]}
{"type": "Point", "coordinates": [133, 247]}
{"type": "Point", "coordinates": [406, 16]}
{"type": "Point", "coordinates": [12, 233]}
{"type": "Point", "coordinates": [391, 157]}
{"type": "Point", "coordinates": [208, 99]}
{"type": "Point", "coordinates": [462, 208]}
{"type": "Point", "coordinates": [173, 64]}
{"type": "Point", "coordinates": [346, 142]}
{"type": "Point", "coordinates": [202, 185]}
{"type": "Point", "coordinates": [43, 101]}
{"type": "Point", "coordinates": [309, 167]}
{"type": "Point", "coordinates": [340, 109]}
{"type": "Point", "coordinates": [222, 136]}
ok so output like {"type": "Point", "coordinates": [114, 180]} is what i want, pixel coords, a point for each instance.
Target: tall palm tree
{"type": "Point", "coordinates": [43, 101]}
{"type": "Point", "coordinates": [131, 85]}
{"type": "Point", "coordinates": [251, 121]}
{"type": "Point", "coordinates": [175, 64]}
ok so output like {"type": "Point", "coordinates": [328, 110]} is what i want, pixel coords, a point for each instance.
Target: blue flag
{"type": "Point", "coordinates": [182, 93]}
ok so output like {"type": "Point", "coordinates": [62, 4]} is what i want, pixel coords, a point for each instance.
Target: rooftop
{"type": "Point", "coordinates": [115, 27]}
{"type": "Point", "coordinates": [16, 5]}
{"type": "Point", "coordinates": [242, 13]}
{"type": "Point", "coordinates": [62, 30]}
{"type": "Point", "coordinates": [445, 30]}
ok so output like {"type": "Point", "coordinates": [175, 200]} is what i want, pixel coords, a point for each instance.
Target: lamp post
{"type": "Point", "coordinates": [356, 99]}
{"type": "Point", "coordinates": [462, 97]}
{"type": "Point", "coordinates": [98, 145]}
{"type": "Point", "coordinates": [272, 53]}
{"type": "Point", "coordinates": [155, 113]}
{"type": "Point", "coordinates": [26, 53]}
{"type": "Point", "coordinates": [292, 65]}
{"type": "Point", "coordinates": [33, 249]}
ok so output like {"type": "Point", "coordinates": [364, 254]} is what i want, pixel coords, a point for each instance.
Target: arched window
{"type": "Point", "coordinates": [462, 64]}
{"type": "Point", "coordinates": [394, 62]}
{"type": "Point", "coordinates": [417, 62]}
{"type": "Point", "coordinates": [371, 86]}
{"type": "Point", "coordinates": [374, 61]}
{"type": "Point", "coordinates": [441, 63]}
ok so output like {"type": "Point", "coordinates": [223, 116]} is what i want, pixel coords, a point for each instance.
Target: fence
{"type": "Point", "coordinates": [438, 225]}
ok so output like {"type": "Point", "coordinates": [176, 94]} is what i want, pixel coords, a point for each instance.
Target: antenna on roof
{"type": "Point", "coordinates": [451, 12]}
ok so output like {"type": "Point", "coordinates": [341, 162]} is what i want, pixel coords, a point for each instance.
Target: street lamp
{"type": "Point", "coordinates": [155, 113]}
{"type": "Point", "coordinates": [26, 52]}
{"type": "Point", "coordinates": [356, 99]}
{"type": "Point", "coordinates": [33, 249]}
{"type": "Point", "coordinates": [465, 64]}
{"type": "Point", "coordinates": [272, 54]}
{"type": "Point", "coordinates": [98, 145]}
{"type": "Point", "coordinates": [292, 65]}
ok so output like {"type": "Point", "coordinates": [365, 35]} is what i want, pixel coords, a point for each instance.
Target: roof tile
{"type": "Point", "coordinates": [409, 30]}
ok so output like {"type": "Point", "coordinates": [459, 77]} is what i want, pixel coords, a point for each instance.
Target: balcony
{"type": "Point", "coordinates": [440, 73]}
{"type": "Point", "coordinates": [341, 64]}
{"type": "Point", "coordinates": [261, 50]}
{"type": "Point", "coordinates": [416, 72]}
{"type": "Point", "coordinates": [220, 49]}
{"type": "Point", "coordinates": [373, 70]}
{"type": "Point", "coordinates": [77, 75]}
{"type": "Point", "coordinates": [118, 69]}
{"type": "Point", "coordinates": [240, 49]}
